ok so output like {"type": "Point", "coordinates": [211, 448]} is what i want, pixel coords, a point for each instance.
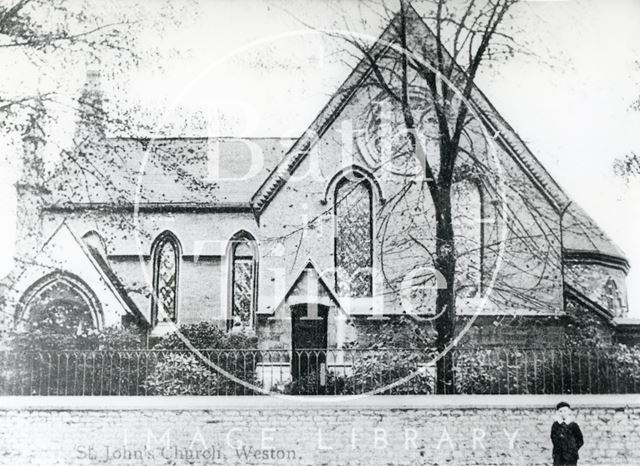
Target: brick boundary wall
{"type": "Point", "coordinates": [452, 430]}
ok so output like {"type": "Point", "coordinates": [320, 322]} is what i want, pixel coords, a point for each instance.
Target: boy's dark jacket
{"type": "Point", "coordinates": [567, 440]}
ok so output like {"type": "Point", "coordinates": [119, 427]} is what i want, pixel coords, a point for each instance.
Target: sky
{"type": "Point", "coordinates": [258, 68]}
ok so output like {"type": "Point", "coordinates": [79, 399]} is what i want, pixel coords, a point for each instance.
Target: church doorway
{"type": "Point", "coordinates": [308, 339]}
{"type": "Point", "coordinates": [59, 303]}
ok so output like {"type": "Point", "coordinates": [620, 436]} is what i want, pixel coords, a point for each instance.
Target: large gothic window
{"type": "Point", "coordinates": [243, 280]}
{"type": "Point", "coordinates": [353, 204]}
{"type": "Point", "coordinates": [166, 264]}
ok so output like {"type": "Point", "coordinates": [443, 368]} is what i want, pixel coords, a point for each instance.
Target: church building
{"type": "Point", "coordinates": [308, 242]}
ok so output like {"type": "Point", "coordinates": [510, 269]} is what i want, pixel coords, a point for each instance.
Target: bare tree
{"type": "Point", "coordinates": [429, 81]}
{"type": "Point", "coordinates": [421, 124]}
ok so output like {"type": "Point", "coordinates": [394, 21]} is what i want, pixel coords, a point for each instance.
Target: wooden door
{"type": "Point", "coordinates": [308, 339]}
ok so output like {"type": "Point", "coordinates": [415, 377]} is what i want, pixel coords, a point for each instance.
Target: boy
{"type": "Point", "coordinates": [566, 437]}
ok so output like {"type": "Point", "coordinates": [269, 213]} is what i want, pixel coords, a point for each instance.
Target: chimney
{"type": "Point", "coordinates": [91, 114]}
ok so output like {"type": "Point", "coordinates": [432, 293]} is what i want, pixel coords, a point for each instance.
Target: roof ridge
{"type": "Point", "coordinates": [505, 135]}
{"type": "Point", "coordinates": [318, 126]}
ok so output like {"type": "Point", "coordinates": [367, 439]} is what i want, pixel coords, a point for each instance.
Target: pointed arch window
{"type": "Point", "coordinates": [353, 210]}
{"type": "Point", "coordinates": [244, 274]}
{"type": "Point", "coordinates": [612, 297]}
{"type": "Point", "coordinates": [166, 267]}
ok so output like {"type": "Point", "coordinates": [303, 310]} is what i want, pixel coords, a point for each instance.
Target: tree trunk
{"type": "Point", "coordinates": [445, 263]}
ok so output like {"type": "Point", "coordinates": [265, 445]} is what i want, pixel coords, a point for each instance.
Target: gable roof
{"type": "Point", "coordinates": [589, 238]}
{"type": "Point", "coordinates": [173, 174]}
{"type": "Point", "coordinates": [64, 251]}
{"type": "Point", "coordinates": [118, 286]}
{"type": "Point", "coordinates": [314, 282]}
{"type": "Point", "coordinates": [506, 135]}
{"type": "Point", "coordinates": [104, 270]}
{"type": "Point", "coordinates": [294, 156]}
{"type": "Point", "coordinates": [167, 171]}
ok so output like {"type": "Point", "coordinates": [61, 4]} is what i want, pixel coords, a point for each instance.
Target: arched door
{"type": "Point", "coordinates": [59, 303]}
{"type": "Point", "coordinates": [308, 338]}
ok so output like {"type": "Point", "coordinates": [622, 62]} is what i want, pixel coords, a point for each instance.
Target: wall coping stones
{"type": "Point", "coordinates": [279, 402]}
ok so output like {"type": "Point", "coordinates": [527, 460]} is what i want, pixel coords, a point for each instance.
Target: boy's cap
{"type": "Point", "coordinates": [562, 404]}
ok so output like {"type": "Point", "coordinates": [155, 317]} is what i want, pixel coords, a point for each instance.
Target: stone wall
{"type": "Point", "coordinates": [258, 430]}
{"type": "Point", "coordinates": [591, 280]}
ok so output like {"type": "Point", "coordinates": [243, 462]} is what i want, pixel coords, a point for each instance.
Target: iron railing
{"type": "Point", "coordinates": [315, 371]}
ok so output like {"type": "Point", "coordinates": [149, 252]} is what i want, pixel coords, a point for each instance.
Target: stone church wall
{"type": "Point", "coordinates": [591, 280]}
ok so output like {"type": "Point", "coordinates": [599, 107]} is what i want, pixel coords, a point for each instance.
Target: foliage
{"type": "Point", "coordinates": [207, 335]}
{"type": "Point", "coordinates": [112, 338]}
{"type": "Point", "coordinates": [375, 371]}
{"type": "Point", "coordinates": [183, 374]}
{"type": "Point", "coordinates": [310, 384]}
{"type": "Point", "coordinates": [395, 332]}
{"type": "Point", "coordinates": [107, 362]}
{"type": "Point", "coordinates": [180, 374]}
{"type": "Point", "coordinates": [583, 328]}
{"type": "Point", "coordinates": [56, 35]}
{"type": "Point", "coordinates": [627, 166]}
{"type": "Point", "coordinates": [624, 368]}
{"type": "Point", "coordinates": [577, 370]}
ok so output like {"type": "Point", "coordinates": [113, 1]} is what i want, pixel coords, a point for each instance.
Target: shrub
{"type": "Point", "coordinates": [393, 332]}
{"type": "Point", "coordinates": [377, 371]}
{"type": "Point", "coordinates": [605, 369]}
{"type": "Point", "coordinates": [180, 374]}
{"type": "Point", "coordinates": [310, 384]}
{"type": "Point", "coordinates": [234, 353]}
{"type": "Point", "coordinates": [112, 338]}
{"type": "Point", "coordinates": [206, 335]}
{"type": "Point", "coordinates": [484, 372]}
{"type": "Point", "coordinates": [374, 371]}
{"type": "Point", "coordinates": [107, 362]}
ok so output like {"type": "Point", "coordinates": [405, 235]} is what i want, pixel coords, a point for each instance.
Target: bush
{"type": "Point", "coordinates": [112, 338]}
{"type": "Point", "coordinates": [484, 372]}
{"type": "Point", "coordinates": [401, 331]}
{"type": "Point", "coordinates": [309, 384]}
{"type": "Point", "coordinates": [605, 369]}
{"type": "Point", "coordinates": [374, 371]}
{"type": "Point", "coordinates": [180, 372]}
{"type": "Point", "coordinates": [206, 335]}
{"type": "Point", "coordinates": [108, 362]}
{"type": "Point", "coordinates": [379, 370]}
